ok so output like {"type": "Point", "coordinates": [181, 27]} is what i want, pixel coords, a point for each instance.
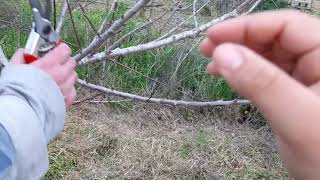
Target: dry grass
{"type": "Point", "coordinates": [105, 141]}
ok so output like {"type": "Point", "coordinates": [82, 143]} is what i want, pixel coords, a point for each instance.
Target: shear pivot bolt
{"type": "Point", "coordinates": [47, 30]}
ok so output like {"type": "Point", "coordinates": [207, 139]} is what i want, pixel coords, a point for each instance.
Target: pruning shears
{"type": "Point", "coordinates": [43, 37]}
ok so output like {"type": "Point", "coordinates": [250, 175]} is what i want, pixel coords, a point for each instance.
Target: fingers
{"type": "Point", "coordinates": [308, 68]}
{"type": "Point", "coordinates": [206, 47]}
{"type": "Point", "coordinates": [69, 78]}
{"type": "Point", "coordinates": [59, 55]}
{"type": "Point", "coordinates": [68, 89]}
{"type": "Point", "coordinates": [283, 100]}
{"type": "Point", "coordinates": [66, 70]}
{"type": "Point", "coordinates": [213, 69]}
{"type": "Point", "coordinates": [68, 85]}
{"type": "Point", "coordinates": [259, 31]}
{"type": "Point", "coordinates": [18, 58]}
{"type": "Point", "coordinates": [69, 99]}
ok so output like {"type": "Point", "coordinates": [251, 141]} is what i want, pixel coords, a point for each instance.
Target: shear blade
{"type": "Point", "coordinates": [44, 8]}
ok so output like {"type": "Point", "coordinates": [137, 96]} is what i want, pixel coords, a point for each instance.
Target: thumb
{"type": "Point", "coordinates": [284, 101]}
{"type": "Point", "coordinates": [18, 58]}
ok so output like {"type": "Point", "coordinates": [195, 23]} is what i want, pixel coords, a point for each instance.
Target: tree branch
{"type": "Point", "coordinates": [175, 38]}
{"type": "Point", "coordinates": [105, 21]}
{"type": "Point", "coordinates": [62, 16]}
{"type": "Point", "coordinates": [155, 44]}
{"type": "Point", "coordinates": [112, 30]}
{"type": "Point", "coordinates": [162, 101]}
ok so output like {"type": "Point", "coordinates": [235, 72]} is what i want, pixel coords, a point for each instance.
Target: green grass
{"type": "Point", "coordinates": [199, 142]}
{"type": "Point", "coordinates": [273, 4]}
{"type": "Point", "coordinates": [201, 139]}
{"type": "Point", "coordinates": [60, 165]}
{"type": "Point", "coordinates": [185, 150]}
{"type": "Point", "coordinates": [8, 35]}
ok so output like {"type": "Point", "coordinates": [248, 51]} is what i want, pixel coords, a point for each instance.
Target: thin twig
{"type": "Point", "coordinates": [149, 78]}
{"type": "Point", "coordinates": [162, 101]}
{"type": "Point", "coordinates": [104, 102]}
{"type": "Point", "coordinates": [183, 22]}
{"type": "Point", "coordinates": [19, 22]}
{"type": "Point", "coordinates": [73, 25]}
{"type": "Point", "coordinates": [4, 21]}
{"type": "Point", "coordinates": [155, 44]}
{"type": "Point", "coordinates": [117, 43]}
{"type": "Point", "coordinates": [88, 98]}
{"type": "Point", "coordinates": [62, 15]}
{"type": "Point", "coordinates": [105, 21]}
{"type": "Point", "coordinates": [54, 14]}
{"type": "Point", "coordinates": [194, 13]}
{"type": "Point", "coordinates": [112, 30]}
{"type": "Point", "coordinates": [240, 10]}
{"type": "Point", "coordinates": [182, 59]}
{"type": "Point", "coordinates": [89, 21]}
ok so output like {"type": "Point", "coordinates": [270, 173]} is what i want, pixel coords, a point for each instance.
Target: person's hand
{"type": "Point", "coordinates": [60, 66]}
{"type": "Point", "coordinates": [273, 59]}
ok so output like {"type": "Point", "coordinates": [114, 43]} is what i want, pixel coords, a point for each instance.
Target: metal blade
{"type": "Point", "coordinates": [43, 6]}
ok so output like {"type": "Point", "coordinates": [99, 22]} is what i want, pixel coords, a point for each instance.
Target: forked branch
{"type": "Point", "coordinates": [112, 30]}
{"type": "Point", "coordinates": [173, 39]}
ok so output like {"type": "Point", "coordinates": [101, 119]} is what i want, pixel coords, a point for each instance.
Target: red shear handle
{"type": "Point", "coordinates": [29, 58]}
{"type": "Point", "coordinates": [60, 41]}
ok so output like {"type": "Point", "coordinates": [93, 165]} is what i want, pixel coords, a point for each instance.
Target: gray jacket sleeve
{"type": "Point", "coordinates": [32, 111]}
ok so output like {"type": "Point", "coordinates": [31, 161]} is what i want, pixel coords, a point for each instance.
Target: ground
{"type": "Point", "coordinates": [143, 141]}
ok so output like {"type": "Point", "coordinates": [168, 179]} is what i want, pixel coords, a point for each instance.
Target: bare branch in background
{"type": "Point", "coordinates": [89, 21]}
{"type": "Point", "coordinates": [173, 39]}
{"type": "Point", "coordinates": [64, 9]}
{"type": "Point", "coordinates": [117, 43]}
{"type": "Point", "coordinates": [73, 25]}
{"type": "Point", "coordinates": [155, 44]}
{"type": "Point", "coordinates": [112, 30]}
{"type": "Point", "coordinates": [19, 19]}
{"type": "Point", "coordinates": [175, 28]}
{"type": "Point", "coordinates": [194, 13]}
{"type": "Point", "coordinates": [162, 101]}
{"type": "Point", "coordinates": [105, 21]}
{"type": "Point", "coordinates": [183, 58]}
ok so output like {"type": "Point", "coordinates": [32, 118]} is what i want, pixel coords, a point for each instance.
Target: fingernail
{"type": "Point", "coordinates": [228, 57]}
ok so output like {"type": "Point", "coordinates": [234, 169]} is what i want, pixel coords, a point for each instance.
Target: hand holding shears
{"type": "Point", "coordinates": [43, 37]}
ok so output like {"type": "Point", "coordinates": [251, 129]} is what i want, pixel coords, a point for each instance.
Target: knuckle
{"type": "Point", "coordinates": [60, 79]}
{"type": "Point", "coordinates": [71, 98]}
{"type": "Point", "coordinates": [73, 63]}
{"type": "Point", "coordinates": [62, 51]}
{"type": "Point", "coordinates": [66, 48]}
